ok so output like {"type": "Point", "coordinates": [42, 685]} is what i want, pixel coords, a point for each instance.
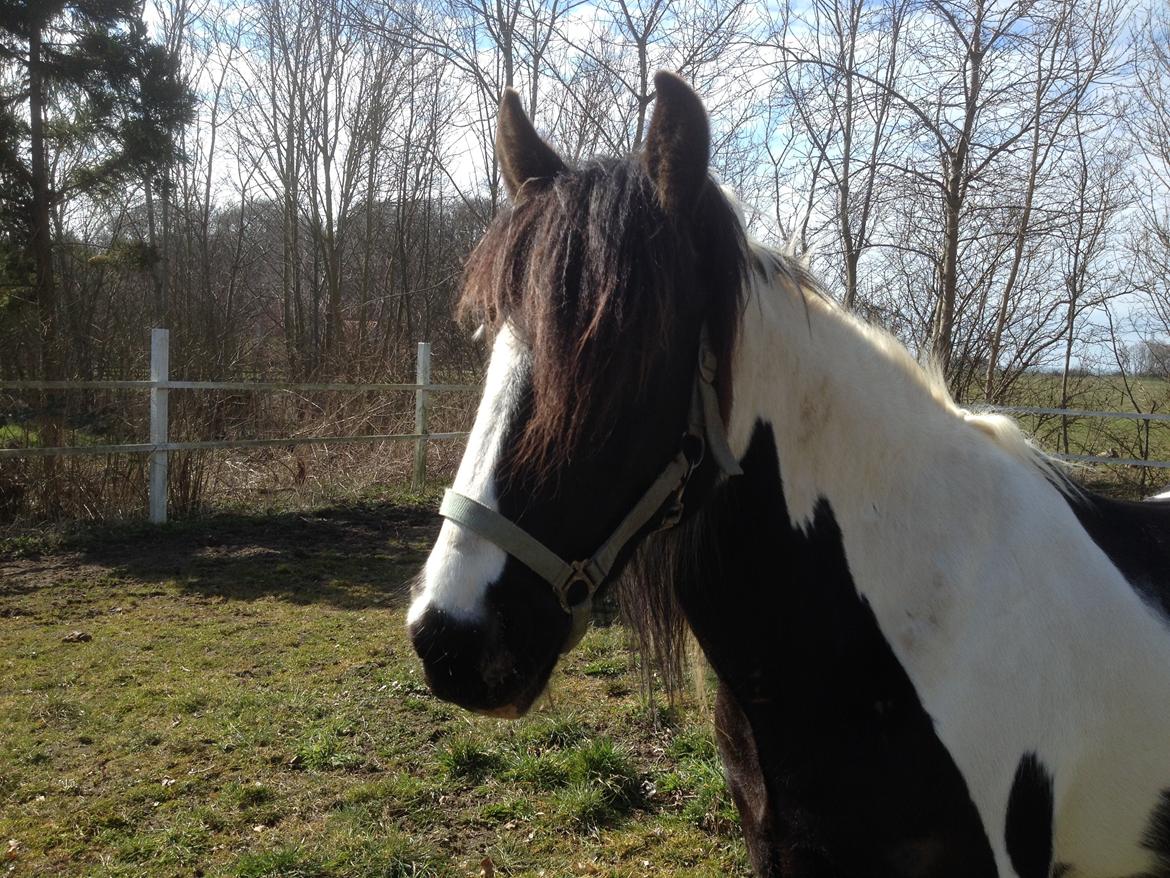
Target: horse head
{"type": "Point", "coordinates": [612, 294]}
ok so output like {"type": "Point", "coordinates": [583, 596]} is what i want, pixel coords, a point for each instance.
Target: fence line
{"type": "Point", "coordinates": [422, 372]}
{"type": "Point", "coordinates": [1073, 413]}
{"type": "Point", "coordinates": [160, 370]}
{"type": "Point", "coordinates": [1110, 461]}
{"type": "Point", "coordinates": [227, 385]}
{"type": "Point", "coordinates": [152, 447]}
{"type": "Point", "coordinates": [160, 447]}
{"type": "Point", "coordinates": [1088, 413]}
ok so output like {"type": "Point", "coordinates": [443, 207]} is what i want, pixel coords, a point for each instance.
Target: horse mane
{"type": "Point", "coordinates": [596, 278]}
{"type": "Point", "coordinates": [1002, 430]}
{"type": "Point", "coordinates": [669, 561]}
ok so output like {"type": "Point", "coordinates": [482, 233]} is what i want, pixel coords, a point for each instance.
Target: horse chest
{"type": "Point", "coordinates": [851, 768]}
{"type": "Point", "coordinates": [854, 778]}
{"type": "Point", "coordinates": [857, 781]}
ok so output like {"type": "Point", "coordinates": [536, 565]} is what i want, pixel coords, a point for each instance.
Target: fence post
{"type": "Point", "coordinates": [160, 363]}
{"type": "Point", "coordinates": [422, 402]}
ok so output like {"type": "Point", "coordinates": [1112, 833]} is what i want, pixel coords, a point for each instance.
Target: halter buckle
{"type": "Point", "coordinates": [694, 449]}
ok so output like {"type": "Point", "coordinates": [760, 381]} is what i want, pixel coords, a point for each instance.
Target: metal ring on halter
{"type": "Point", "coordinates": [580, 575]}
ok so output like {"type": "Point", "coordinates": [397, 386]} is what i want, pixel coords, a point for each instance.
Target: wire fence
{"type": "Point", "coordinates": [160, 445]}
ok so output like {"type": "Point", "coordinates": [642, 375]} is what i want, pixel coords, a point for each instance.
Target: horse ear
{"type": "Point", "coordinates": [523, 156]}
{"type": "Point", "coordinates": [678, 145]}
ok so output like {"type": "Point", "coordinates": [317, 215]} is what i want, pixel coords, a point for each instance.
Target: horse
{"type": "Point", "coordinates": [937, 655]}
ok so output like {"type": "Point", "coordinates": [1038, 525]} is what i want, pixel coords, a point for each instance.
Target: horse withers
{"type": "Point", "coordinates": [937, 656]}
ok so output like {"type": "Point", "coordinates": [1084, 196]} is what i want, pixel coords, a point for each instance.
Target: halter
{"type": "Point", "coordinates": [575, 583]}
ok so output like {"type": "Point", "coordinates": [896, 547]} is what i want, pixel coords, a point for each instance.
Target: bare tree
{"type": "Point", "coordinates": [1148, 119]}
{"type": "Point", "coordinates": [844, 109]}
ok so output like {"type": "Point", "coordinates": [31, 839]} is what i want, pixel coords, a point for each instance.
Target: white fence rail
{"type": "Point", "coordinates": [159, 447]}
{"type": "Point", "coordinates": [1107, 460]}
{"type": "Point", "coordinates": [160, 384]}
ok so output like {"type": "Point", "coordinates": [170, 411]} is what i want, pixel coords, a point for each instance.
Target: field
{"type": "Point", "coordinates": [235, 696]}
{"type": "Point", "coordinates": [1101, 437]}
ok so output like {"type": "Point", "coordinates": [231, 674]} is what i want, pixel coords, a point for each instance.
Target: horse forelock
{"type": "Point", "coordinates": [597, 280]}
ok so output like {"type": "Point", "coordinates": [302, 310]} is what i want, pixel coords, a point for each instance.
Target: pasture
{"type": "Point", "coordinates": [240, 699]}
{"type": "Point", "coordinates": [236, 696]}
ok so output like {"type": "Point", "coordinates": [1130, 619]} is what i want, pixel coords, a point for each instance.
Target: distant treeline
{"type": "Point", "coordinates": [292, 186]}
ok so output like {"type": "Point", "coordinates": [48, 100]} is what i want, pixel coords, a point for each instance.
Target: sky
{"type": "Point", "coordinates": [463, 150]}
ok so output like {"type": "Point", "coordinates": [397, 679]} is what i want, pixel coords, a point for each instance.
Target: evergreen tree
{"type": "Point", "coordinates": [77, 74]}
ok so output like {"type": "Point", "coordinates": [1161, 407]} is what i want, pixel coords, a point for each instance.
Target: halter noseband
{"type": "Point", "coordinates": [575, 583]}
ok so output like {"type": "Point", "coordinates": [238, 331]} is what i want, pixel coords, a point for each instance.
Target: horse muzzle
{"type": "Point", "coordinates": [478, 666]}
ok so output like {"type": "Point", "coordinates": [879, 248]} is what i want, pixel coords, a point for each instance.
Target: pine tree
{"type": "Point", "coordinates": [75, 73]}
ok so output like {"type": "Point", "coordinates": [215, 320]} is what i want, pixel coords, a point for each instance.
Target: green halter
{"type": "Point", "coordinates": [575, 583]}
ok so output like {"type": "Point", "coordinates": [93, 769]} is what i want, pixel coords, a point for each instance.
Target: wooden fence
{"type": "Point", "coordinates": [160, 385]}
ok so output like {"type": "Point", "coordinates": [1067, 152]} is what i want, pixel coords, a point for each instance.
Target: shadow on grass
{"type": "Point", "coordinates": [350, 557]}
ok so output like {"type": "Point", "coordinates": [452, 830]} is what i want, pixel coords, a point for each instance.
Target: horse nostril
{"type": "Point", "coordinates": [426, 633]}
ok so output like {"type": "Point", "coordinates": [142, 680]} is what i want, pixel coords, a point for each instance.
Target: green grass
{"type": "Point", "coordinates": [249, 705]}
{"type": "Point", "coordinates": [27, 545]}
{"type": "Point", "coordinates": [1102, 437]}
{"type": "Point", "coordinates": [15, 436]}
{"type": "Point", "coordinates": [468, 758]}
{"type": "Point", "coordinates": [609, 666]}
{"type": "Point", "coordinates": [22, 435]}
{"type": "Point", "coordinates": [697, 781]}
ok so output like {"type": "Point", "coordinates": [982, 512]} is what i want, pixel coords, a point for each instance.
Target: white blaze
{"type": "Point", "coordinates": [462, 565]}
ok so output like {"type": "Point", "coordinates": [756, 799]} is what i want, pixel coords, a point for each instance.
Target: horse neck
{"type": "Point", "coordinates": [855, 420]}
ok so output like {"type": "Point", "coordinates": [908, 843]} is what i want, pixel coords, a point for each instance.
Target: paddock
{"type": "Point", "coordinates": [236, 696]}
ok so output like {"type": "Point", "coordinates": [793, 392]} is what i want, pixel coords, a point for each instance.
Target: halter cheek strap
{"type": "Point", "coordinates": [575, 583]}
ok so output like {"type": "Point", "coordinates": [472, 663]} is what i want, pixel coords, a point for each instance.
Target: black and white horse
{"type": "Point", "coordinates": [936, 655]}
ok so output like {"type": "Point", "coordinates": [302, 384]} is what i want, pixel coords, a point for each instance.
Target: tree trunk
{"type": "Point", "coordinates": [944, 328]}
{"type": "Point", "coordinates": [991, 393]}
{"type": "Point", "coordinates": [46, 291]}
{"type": "Point", "coordinates": [1070, 323]}
{"type": "Point", "coordinates": [954, 196]}
{"type": "Point", "coordinates": [156, 267]}
{"type": "Point", "coordinates": [42, 231]}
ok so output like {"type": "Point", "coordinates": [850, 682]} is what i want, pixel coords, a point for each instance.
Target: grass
{"type": "Point", "coordinates": [248, 705]}
{"type": "Point", "coordinates": [1101, 437]}
{"type": "Point", "coordinates": [24, 436]}
{"type": "Point", "coordinates": [468, 758]}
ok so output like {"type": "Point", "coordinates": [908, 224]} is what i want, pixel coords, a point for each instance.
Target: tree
{"type": "Point", "coordinates": [84, 79]}
{"type": "Point", "coordinates": [843, 103]}
{"type": "Point", "coordinates": [1149, 125]}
